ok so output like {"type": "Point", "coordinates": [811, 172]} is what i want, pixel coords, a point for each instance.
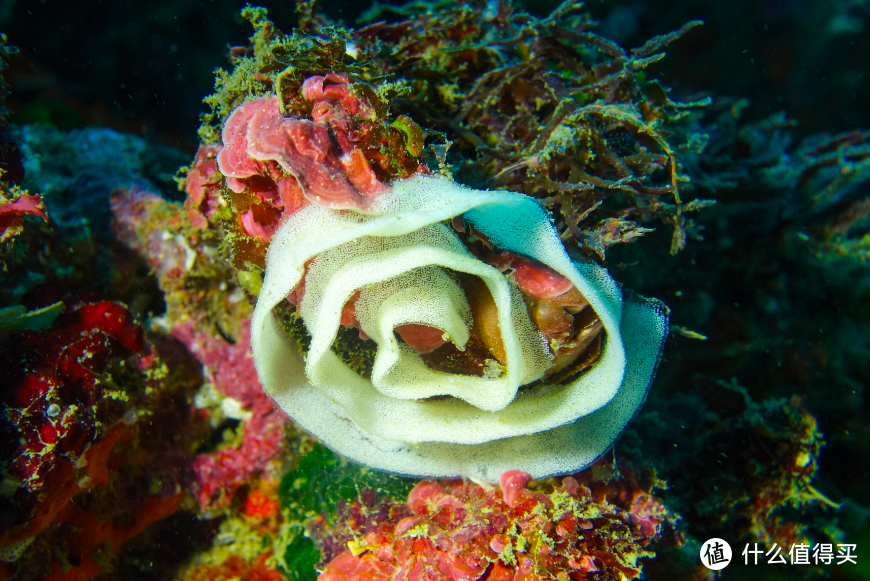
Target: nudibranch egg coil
{"type": "Point", "coordinates": [401, 266]}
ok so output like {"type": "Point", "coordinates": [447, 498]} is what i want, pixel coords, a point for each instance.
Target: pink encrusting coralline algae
{"type": "Point", "coordinates": [155, 229]}
{"type": "Point", "coordinates": [289, 161]}
{"type": "Point", "coordinates": [327, 142]}
{"type": "Point", "coordinates": [231, 369]}
{"type": "Point", "coordinates": [145, 222]}
{"type": "Point", "coordinates": [461, 531]}
{"type": "Point", "coordinates": [203, 187]}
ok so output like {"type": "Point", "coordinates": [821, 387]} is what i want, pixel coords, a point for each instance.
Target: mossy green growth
{"type": "Point", "coordinates": [321, 480]}
{"type": "Point", "coordinates": [279, 63]}
{"type": "Point", "coordinates": [314, 489]}
{"type": "Point", "coordinates": [251, 281]}
{"type": "Point", "coordinates": [356, 353]}
{"type": "Point", "coordinates": [300, 559]}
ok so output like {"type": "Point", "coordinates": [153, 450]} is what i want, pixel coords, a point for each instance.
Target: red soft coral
{"type": "Point", "coordinates": [51, 383]}
{"type": "Point", "coordinates": [12, 212]}
{"type": "Point", "coordinates": [461, 531]}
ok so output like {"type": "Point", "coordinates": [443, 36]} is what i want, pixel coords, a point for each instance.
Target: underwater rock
{"type": "Point", "coordinates": [52, 388]}
{"type": "Point", "coordinates": [766, 455]}
{"type": "Point", "coordinates": [230, 367]}
{"type": "Point", "coordinates": [459, 530]}
{"type": "Point", "coordinates": [81, 472]}
{"type": "Point", "coordinates": [78, 170]}
{"type": "Point", "coordinates": [208, 315]}
{"type": "Point", "coordinates": [226, 363]}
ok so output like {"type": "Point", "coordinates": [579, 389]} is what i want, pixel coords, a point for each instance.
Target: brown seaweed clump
{"type": "Point", "coordinates": [500, 99]}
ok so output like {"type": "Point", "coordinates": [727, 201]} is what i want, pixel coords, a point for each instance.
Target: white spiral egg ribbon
{"type": "Point", "coordinates": [394, 257]}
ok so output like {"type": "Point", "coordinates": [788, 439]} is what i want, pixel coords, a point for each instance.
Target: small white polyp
{"type": "Point", "coordinates": [488, 428]}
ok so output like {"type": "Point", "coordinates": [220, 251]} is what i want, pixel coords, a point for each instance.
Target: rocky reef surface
{"type": "Point", "coordinates": [137, 441]}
